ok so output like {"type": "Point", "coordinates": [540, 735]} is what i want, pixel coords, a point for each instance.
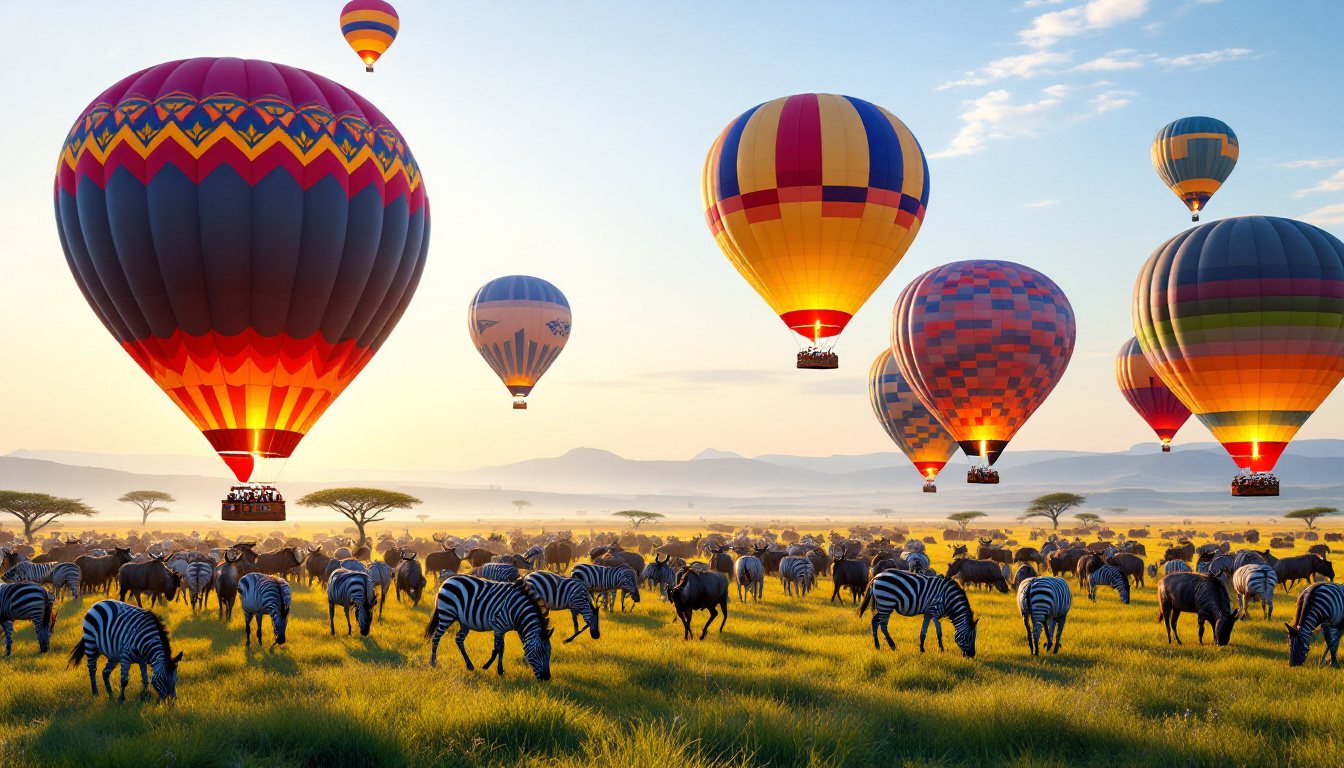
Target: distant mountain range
{"type": "Point", "coordinates": [1191, 480]}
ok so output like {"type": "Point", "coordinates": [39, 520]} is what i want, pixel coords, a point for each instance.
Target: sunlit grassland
{"type": "Point", "coordinates": [791, 682]}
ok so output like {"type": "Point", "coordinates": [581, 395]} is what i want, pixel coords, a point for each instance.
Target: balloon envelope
{"type": "Point", "coordinates": [1145, 391]}
{"type": "Point", "coordinates": [814, 199]}
{"type": "Point", "coordinates": [1194, 156]}
{"type": "Point", "coordinates": [250, 233]}
{"type": "Point", "coordinates": [369, 27]}
{"type": "Point", "coordinates": [519, 324]}
{"type": "Point", "coordinates": [1243, 319]}
{"type": "Point", "coordinates": [982, 343]}
{"type": "Point", "coordinates": [907, 421]}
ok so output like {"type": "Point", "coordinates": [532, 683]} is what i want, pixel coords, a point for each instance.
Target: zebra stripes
{"type": "Point", "coordinates": [797, 572]}
{"type": "Point", "coordinates": [127, 635]}
{"type": "Point", "coordinates": [1319, 606]}
{"type": "Point", "coordinates": [25, 601]}
{"type": "Point", "coordinates": [58, 575]}
{"type": "Point", "coordinates": [606, 580]}
{"type": "Point", "coordinates": [1108, 576]}
{"type": "Point", "coordinates": [350, 589]}
{"type": "Point", "coordinates": [558, 592]}
{"type": "Point", "coordinates": [381, 573]}
{"type": "Point", "coordinates": [935, 597]}
{"type": "Point", "coordinates": [260, 595]}
{"type": "Point", "coordinates": [1256, 582]}
{"type": "Point", "coordinates": [1175, 566]}
{"type": "Point", "coordinates": [1044, 602]}
{"type": "Point", "coordinates": [749, 574]}
{"type": "Point", "coordinates": [661, 574]}
{"type": "Point", "coordinates": [497, 572]}
{"type": "Point", "coordinates": [480, 605]}
{"type": "Point", "coordinates": [200, 580]}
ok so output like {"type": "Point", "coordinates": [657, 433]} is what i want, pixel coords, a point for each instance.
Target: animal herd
{"type": "Point", "coordinates": [514, 586]}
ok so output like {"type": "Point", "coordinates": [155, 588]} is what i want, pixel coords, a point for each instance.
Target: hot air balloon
{"type": "Point", "coordinates": [1151, 398]}
{"type": "Point", "coordinates": [814, 199]}
{"type": "Point", "coordinates": [909, 424]}
{"type": "Point", "coordinates": [250, 234]}
{"type": "Point", "coordinates": [519, 324]}
{"type": "Point", "coordinates": [1243, 319]}
{"type": "Point", "coordinates": [982, 343]}
{"type": "Point", "coordinates": [1194, 156]}
{"type": "Point", "coordinates": [369, 27]}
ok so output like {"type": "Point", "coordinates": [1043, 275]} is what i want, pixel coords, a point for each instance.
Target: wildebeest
{"type": "Point", "coordinates": [1065, 561]}
{"type": "Point", "coordinates": [97, 572]}
{"type": "Point", "coordinates": [1130, 565]}
{"type": "Point", "coordinates": [1029, 555]}
{"type": "Point", "coordinates": [1086, 565]}
{"type": "Point", "coordinates": [771, 561]}
{"type": "Point", "coordinates": [965, 571]}
{"type": "Point", "coordinates": [849, 573]}
{"type": "Point", "coordinates": [559, 553]}
{"type": "Point", "coordinates": [226, 584]}
{"type": "Point", "coordinates": [821, 562]}
{"type": "Point", "coordinates": [445, 559]}
{"type": "Point", "coordinates": [695, 591]}
{"type": "Point", "coordinates": [660, 574]}
{"type": "Point", "coordinates": [1294, 569]}
{"type": "Point", "coordinates": [153, 577]}
{"type": "Point", "coordinates": [315, 566]}
{"type": "Point", "coordinates": [1185, 552]}
{"type": "Point", "coordinates": [988, 551]}
{"type": "Point", "coordinates": [1023, 573]}
{"type": "Point", "coordinates": [1319, 549]}
{"type": "Point", "coordinates": [720, 561]}
{"type": "Point", "coordinates": [277, 563]}
{"type": "Point", "coordinates": [381, 574]}
{"type": "Point", "coordinates": [410, 579]}
{"type": "Point", "coordinates": [1205, 596]}
{"type": "Point", "coordinates": [749, 574]}
{"type": "Point", "coordinates": [479, 556]}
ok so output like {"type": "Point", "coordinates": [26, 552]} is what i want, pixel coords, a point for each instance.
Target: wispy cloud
{"type": "Point", "coordinates": [1042, 204]}
{"type": "Point", "coordinates": [1025, 66]}
{"type": "Point", "coordinates": [1115, 60]}
{"type": "Point", "coordinates": [1049, 28]}
{"type": "Point", "coordinates": [1333, 184]}
{"type": "Point", "coordinates": [1330, 214]}
{"type": "Point", "coordinates": [994, 116]}
{"type": "Point", "coordinates": [1130, 59]}
{"type": "Point", "coordinates": [1105, 102]}
{"type": "Point", "coordinates": [1209, 58]}
{"type": "Point", "coordinates": [1319, 162]}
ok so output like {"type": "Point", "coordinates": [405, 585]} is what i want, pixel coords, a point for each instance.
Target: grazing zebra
{"type": "Point", "coordinates": [661, 573]}
{"type": "Point", "coordinates": [1108, 576]}
{"type": "Point", "coordinates": [25, 601]}
{"type": "Point", "coordinates": [1257, 582]}
{"type": "Point", "coordinates": [497, 572]}
{"type": "Point", "coordinates": [1044, 602]}
{"type": "Point", "coordinates": [127, 635]}
{"type": "Point", "coordinates": [749, 573]}
{"type": "Point", "coordinates": [381, 573]}
{"type": "Point", "coordinates": [58, 575]}
{"type": "Point", "coordinates": [1319, 606]}
{"type": "Point", "coordinates": [558, 592]}
{"type": "Point", "coordinates": [1175, 566]}
{"type": "Point", "coordinates": [200, 580]}
{"type": "Point", "coordinates": [350, 589]}
{"type": "Point", "coordinates": [605, 580]}
{"type": "Point", "coordinates": [918, 562]}
{"type": "Point", "coordinates": [935, 597]}
{"type": "Point", "coordinates": [480, 605]}
{"type": "Point", "coordinates": [262, 594]}
{"type": "Point", "coordinates": [796, 572]}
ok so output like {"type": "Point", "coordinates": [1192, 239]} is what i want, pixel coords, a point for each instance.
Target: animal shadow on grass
{"type": "Point", "coordinates": [1060, 669]}
{"type": "Point", "coordinates": [197, 626]}
{"type": "Point", "coordinates": [642, 620]}
{"type": "Point", "coordinates": [272, 659]}
{"type": "Point", "coordinates": [368, 650]}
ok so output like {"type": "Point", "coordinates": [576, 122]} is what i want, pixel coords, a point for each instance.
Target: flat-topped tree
{"type": "Point", "coordinates": [360, 506]}
{"type": "Point", "coordinates": [1053, 506]}
{"type": "Point", "coordinates": [38, 510]}
{"type": "Point", "coordinates": [148, 502]}
{"type": "Point", "coordinates": [638, 516]}
{"type": "Point", "coordinates": [1088, 518]}
{"type": "Point", "coordinates": [962, 518]}
{"type": "Point", "coordinates": [1311, 515]}
{"type": "Point", "coordinates": [520, 503]}
{"type": "Point", "coordinates": [884, 512]}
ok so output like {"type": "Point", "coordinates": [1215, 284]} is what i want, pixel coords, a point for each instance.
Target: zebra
{"type": "Point", "coordinates": [262, 594]}
{"type": "Point", "coordinates": [127, 635]}
{"type": "Point", "coordinates": [1044, 602]}
{"type": "Point", "coordinates": [1319, 606]}
{"type": "Point", "coordinates": [1175, 566]}
{"type": "Point", "coordinates": [351, 589]}
{"type": "Point", "coordinates": [1248, 557]}
{"type": "Point", "coordinates": [918, 562]}
{"type": "Point", "coordinates": [351, 564]}
{"type": "Point", "coordinates": [25, 601]}
{"type": "Point", "coordinates": [606, 580]}
{"type": "Point", "coordinates": [200, 580]}
{"type": "Point", "coordinates": [481, 605]}
{"type": "Point", "coordinates": [796, 572]}
{"type": "Point", "coordinates": [749, 574]}
{"type": "Point", "coordinates": [1221, 566]}
{"type": "Point", "coordinates": [557, 592]}
{"type": "Point", "coordinates": [497, 572]}
{"type": "Point", "coordinates": [661, 574]}
{"type": "Point", "coordinates": [936, 597]}
{"type": "Point", "coordinates": [1257, 582]}
{"type": "Point", "coordinates": [1108, 576]}
{"type": "Point", "coordinates": [1023, 573]}
{"type": "Point", "coordinates": [58, 575]}
{"type": "Point", "coordinates": [381, 573]}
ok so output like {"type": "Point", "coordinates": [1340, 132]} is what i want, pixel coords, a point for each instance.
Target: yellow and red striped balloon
{"type": "Point", "coordinates": [369, 27]}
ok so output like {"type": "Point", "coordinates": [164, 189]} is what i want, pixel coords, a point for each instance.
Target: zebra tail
{"type": "Point", "coordinates": [76, 654]}
{"type": "Point", "coordinates": [433, 625]}
{"type": "Point", "coordinates": [867, 599]}
{"type": "Point", "coordinates": [49, 616]}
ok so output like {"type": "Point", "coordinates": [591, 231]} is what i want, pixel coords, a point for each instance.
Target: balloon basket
{"type": "Point", "coordinates": [368, 69]}
{"type": "Point", "coordinates": [815, 359]}
{"type": "Point", "coordinates": [249, 512]}
{"type": "Point", "coordinates": [1166, 449]}
{"type": "Point", "coordinates": [930, 488]}
{"type": "Point", "coordinates": [520, 405]}
{"type": "Point", "coordinates": [1259, 484]}
{"type": "Point", "coordinates": [1195, 217]}
{"type": "Point", "coordinates": [983, 477]}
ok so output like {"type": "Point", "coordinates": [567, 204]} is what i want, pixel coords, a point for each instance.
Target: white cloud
{"type": "Point", "coordinates": [1037, 3]}
{"type": "Point", "coordinates": [1333, 184]}
{"type": "Point", "coordinates": [1105, 102]}
{"type": "Point", "coordinates": [1205, 59]}
{"type": "Point", "coordinates": [1115, 60]}
{"type": "Point", "coordinates": [1319, 162]}
{"type": "Point", "coordinates": [1330, 214]}
{"type": "Point", "coordinates": [1042, 204]}
{"type": "Point", "coordinates": [1027, 65]}
{"type": "Point", "coordinates": [1048, 28]}
{"type": "Point", "coordinates": [994, 116]}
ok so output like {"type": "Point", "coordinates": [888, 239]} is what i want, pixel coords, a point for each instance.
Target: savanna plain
{"type": "Point", "coordinates": [791, 681]}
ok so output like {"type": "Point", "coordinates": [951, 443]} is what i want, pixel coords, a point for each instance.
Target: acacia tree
{"type": "Point", "coordinates": [1053, 506]}
{"type": "Point", "coordinates": [148, 502]}
{"type": "Point", "coordinates": [520, 503]}
{"type": "Point", "coordinates": [360, 506]}
{"type": "Point", "coordinates": [1087, 518]}
{"type": "Point", "coordinates": [962, 518]}
{"type": "Point", "coordinates": [1311, 515]}
{"type": "Point", "coordinates": [38, 510]}
{"type": "Point", "coordinates": [638, 516]}
{"type": "Point", "coordinates": [884, 512]}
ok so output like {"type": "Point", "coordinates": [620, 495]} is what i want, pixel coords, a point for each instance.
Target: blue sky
{"type": "Point", "coordinates": [566, 141]}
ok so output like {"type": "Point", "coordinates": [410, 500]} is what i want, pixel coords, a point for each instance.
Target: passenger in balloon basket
{"type": "Point", "coordinates": [1255, 484]}
{"type": "Point", "coordinates": [929, 487]}
{"type": "Point", "coordinates": [983, 475]}
{"type": "Point", "coordinates": [815, 357]}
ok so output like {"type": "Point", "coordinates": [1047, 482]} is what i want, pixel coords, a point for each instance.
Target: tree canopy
{"type": "Point", "coordinates": [360, 505]}
{"type": "Point", "coordinates": [148, 502]}
{"type": "Point", "coordinates": [884, 512]}
{"type": "Point", "coordinates": [1311, 514]}
{"type": "Point", "coordinates": [1088, 518]}
{"type": "Point", "coordinates": [1053, 506]}
{"type": "Point", "coordinates": [962, 518]}
{"type": "Point", "coordinates": [638, 516]}
{"type": "Point", "coordinates": [38, 510]}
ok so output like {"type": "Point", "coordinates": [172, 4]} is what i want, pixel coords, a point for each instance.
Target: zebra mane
{"type": "Point", "coordinates": [168, 662]}
{"type": "Point", "coordinates": [536, 603]}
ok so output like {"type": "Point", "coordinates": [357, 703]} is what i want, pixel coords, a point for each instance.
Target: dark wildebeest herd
{"type": "Point", "coordinates": [516, 580]}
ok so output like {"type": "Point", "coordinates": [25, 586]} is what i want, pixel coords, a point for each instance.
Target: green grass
{"type": "Point", "coordinates": [791, 682]}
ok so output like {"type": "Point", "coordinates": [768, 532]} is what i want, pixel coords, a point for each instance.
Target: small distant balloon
{"type": "Point", "coordinates": [1151, 398]}
{"type": "Point", "coordinates": [369, 27]}
{"type": "Point", "coordinates": [907, 421]}
{"type": "Point", "coordinates": [519, 324]}
{"type": "Point", "coordinates": [1194, 156]}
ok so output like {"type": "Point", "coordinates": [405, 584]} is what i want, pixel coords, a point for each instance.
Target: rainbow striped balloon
{"type": "Point", "coordinates": [369, 27]}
